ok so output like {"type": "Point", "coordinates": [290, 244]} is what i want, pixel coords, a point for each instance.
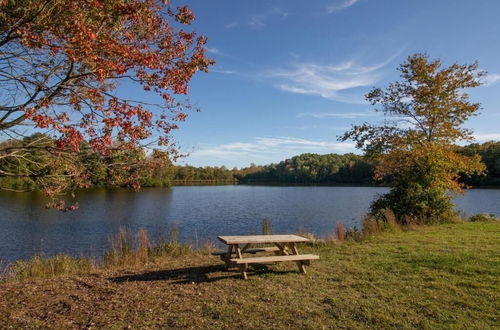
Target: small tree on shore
{"type": "Point", "coordinates": [415, 145]}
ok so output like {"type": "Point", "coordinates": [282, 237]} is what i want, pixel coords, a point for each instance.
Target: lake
{"type": "Point", "coordinates": [201, 213]}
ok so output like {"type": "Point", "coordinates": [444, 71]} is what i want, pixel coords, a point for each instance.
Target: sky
{"type": "Point", "coordinates": [290, 76]}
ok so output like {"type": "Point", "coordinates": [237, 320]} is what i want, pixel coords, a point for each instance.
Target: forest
{"type": "Point", "coordinates": [105, 170]}
{"type": "Point", "coordinates": [356, 169]}
{"type": "Point", "coordinates": [312, 169]}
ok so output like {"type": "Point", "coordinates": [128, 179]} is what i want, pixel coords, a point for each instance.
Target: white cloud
{"type": "Point", "coordinates": [482, 137]}
{"type": "Point", "coordinates": [264, 150]}
{"type": "Point", "coordinates": [318, 127]}
{"type": "Point", "coordinates": [343, 115]}
{"type": "Point", "coordinates": [339, 6]}
{"type": "Point", "coordinates": [231, 25]}
{"type": "Point", "coordinates": [490, 79]}
{"type": "Point", "coordinates": [258, 21]}
{"type": "Point", "coordinates": [328, 81]}
{"type": "Point", "coordinates": [214, 50]}
{"type": "Point", "coordinates": [222, 71]}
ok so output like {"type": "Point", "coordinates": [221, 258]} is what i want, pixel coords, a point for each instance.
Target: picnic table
{"type": "Point", "coordinates": [283, 246]}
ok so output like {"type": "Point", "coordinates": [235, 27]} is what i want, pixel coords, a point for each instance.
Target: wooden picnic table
{"type": "Point", "coordinates": [284, 247]}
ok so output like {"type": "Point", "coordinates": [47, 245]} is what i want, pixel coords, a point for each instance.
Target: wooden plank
{"type": "Point", "coordinates": [258, 260]}
{"type": "Point", "coordinates": [243, 266]}
{"type": "Point", "coordinates": [229, 252]}
{"type": "Point", "coordinates": [238, 251]}
{"type": "Point", "coordinates": [227, 256]}
{"type": "Point", "coordinates": [262, 239]}
{"type": "Point", "coordinates": [252, 250]}
{"type": "Point", "coordinates": [300, 264]}
{"type": "Point", "coordinates": [243, 270]}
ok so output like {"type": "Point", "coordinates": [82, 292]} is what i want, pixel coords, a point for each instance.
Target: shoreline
{"type": "Point", "coordinates": [405, 279]}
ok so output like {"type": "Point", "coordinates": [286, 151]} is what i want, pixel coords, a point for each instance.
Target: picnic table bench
{"type": "Point", "coordinates": [285, 249]}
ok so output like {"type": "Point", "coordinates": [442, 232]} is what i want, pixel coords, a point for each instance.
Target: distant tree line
{"type": "Point", "coordinates": [490, 155]}
{"type": "Point", "coordinates": [189, 174]}
{"type": "Point", "coordinates": [330, 169]}
{"type": "Point", "coordinates": [356, 169]}
{"type": "Point", "coordinates": [313, 168]}
{"type": "Point", "coordinates": [107, 170]}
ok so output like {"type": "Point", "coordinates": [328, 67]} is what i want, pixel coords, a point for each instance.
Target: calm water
{"type": "Point", "coordinates": [202, 213]}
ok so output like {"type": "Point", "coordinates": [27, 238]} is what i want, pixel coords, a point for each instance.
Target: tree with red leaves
{"type": "Point", "coordinates": [60, 65]}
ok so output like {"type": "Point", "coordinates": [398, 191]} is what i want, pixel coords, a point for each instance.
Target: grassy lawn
{"type": "Point", "coordinates": [445, 276]}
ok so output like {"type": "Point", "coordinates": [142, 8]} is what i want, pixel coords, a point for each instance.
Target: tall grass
{"type": "Point", "coordinates": [126, 248]}
{"type": "Point", "coordinates": [174, 233]}
{"type": "Point", "coordinates": [134, 249]}
{"type": "Point", "coordinates": [340, 231]}
{"type": "Point", "coordinates": [266, 226]}
{"type": "Point", "coordinates": [48, 267]}
{"type": "Point", "coordinates": [386, 221]}
{"type": "Point", "coordinates": [143, 249]}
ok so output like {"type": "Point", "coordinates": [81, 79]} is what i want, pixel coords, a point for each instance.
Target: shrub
{"type": "Point", "coordinates": [416, 201]}
{"type": "Point", "coordinates": [484, 217]}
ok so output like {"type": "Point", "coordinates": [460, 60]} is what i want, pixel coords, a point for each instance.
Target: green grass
{"type": "Point", "coordinates": [445, 276]}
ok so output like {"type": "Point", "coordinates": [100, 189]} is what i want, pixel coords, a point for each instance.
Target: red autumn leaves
{"type": "Point", "coordinates": [93, 44]}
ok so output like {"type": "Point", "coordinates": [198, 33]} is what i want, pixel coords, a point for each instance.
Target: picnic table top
{"type": "Point", "coordinates": [261, 239]}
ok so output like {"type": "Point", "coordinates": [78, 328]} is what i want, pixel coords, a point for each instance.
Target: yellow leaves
{"type": "Point", "coordinates": [436, 165]}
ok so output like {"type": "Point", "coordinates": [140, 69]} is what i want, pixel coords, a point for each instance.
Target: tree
{"type": "Point", "coordinates": [61, 62]}
{"type": "Point", "coordinates": [415, 145]}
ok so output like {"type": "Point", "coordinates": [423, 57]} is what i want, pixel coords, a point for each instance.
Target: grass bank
{"type": "Point", "coordinates": [441, 276]}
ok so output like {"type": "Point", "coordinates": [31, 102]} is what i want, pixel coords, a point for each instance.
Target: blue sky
{"type": "Point", "coordinates": [291, 75]}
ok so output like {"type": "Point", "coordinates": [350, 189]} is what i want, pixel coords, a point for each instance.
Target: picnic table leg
{"type": "Point", "coordinates": [228, 256]}
{"type": "Point", "coordinates": [243, 270]}
{"type": "Point", "coordinates": [300, 264]}
{"type": "Point", "coordinates": [283, 250]}
{"type": "Point", "coordinates": [243, 267]}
